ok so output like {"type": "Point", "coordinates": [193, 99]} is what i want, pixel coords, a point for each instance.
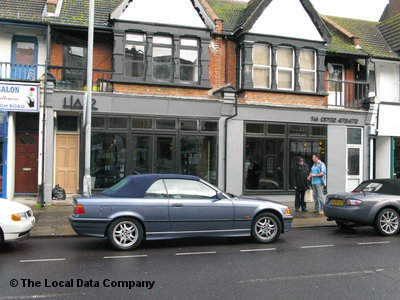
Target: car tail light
{"type": "Point", "coordinates": [79, 209]}
{"type": "Point", "coordinates": [353, 202]}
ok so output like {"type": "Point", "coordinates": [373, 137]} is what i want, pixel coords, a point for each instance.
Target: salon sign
{"type": "Point", "coordinates": [16, 96]}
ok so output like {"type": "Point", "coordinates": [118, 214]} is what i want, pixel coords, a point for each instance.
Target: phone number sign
{"type": "Point", "coordinates": [15, 96]}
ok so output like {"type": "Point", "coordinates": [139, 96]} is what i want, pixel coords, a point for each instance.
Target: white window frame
{"type": "Point", "coordinates": [278, 68]}
{"type": "Point", "coordinates": [263, 67]}
{"type": "Point", "coordinates": [358, 177]}
{"type": "Point", "coordinates": [309, 70]}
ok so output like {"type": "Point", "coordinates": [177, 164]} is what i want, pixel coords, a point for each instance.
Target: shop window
{"type": "Point", "coordinates": [134, 54]}
{"type": "Point", "coordinates": [165, 124]}
{"type": "Point", "coordinates": [300, 130]}
{"type": "Point", "coordinates": [285, 71]}
{"type": "Point", "coordinates": [188, 125]}
{"type": "Point", "coordinates": [276, 128]}
{"type": "Point", "coordinates": [255, 128]}
{"type": "Point", "coordinates": [209, 126]}
{"type": "Point", "coordinates": [108, 158]}
{"type": "Point", "coordinates": [118, 122]}
{"type": "Point", "coordinates": [98, 122]}
{"type": "Point", "coordinates": [307, 75]}
{"type": "Point", "coordinates": [396, 157]}
{"type": "Point", "coordinates": [142, 123]}
{"type": "Point", "coordinates": [318, 131]}
{"type": "Point", "coordinates": [261, 66]}
{"type": "Point", "coordinates": [67, 123]}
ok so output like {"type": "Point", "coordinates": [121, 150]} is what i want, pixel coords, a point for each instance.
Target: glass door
{"type": "Point", "coordinates": [164, 161]}
{"type": "Point", "coordinates": [336, 85]}
{"type": "Point", "coordinates": [24, 58]}
{"type": "Point", "coordinates": [142, 158]}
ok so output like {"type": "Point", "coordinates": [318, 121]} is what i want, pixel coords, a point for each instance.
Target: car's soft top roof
{"type": "Point", "coordinates": [389, 186]}
{"type": "Point", "coordinates": [134, 186]}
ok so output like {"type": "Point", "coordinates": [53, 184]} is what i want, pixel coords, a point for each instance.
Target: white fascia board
{"type": "Point", "coordinates": [286, 18]}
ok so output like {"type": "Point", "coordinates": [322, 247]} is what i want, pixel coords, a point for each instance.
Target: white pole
{"type": "Point", "coordinates": [87, 186]}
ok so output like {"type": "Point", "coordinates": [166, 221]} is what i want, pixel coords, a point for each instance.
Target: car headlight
{"type": "Point", "coordinates": [19, 217]}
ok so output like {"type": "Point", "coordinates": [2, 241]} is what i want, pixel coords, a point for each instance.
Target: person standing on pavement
{"type": "Point", "coordinates": [301, 183]}
{"type": "Point", "coordinates": [318, 181]}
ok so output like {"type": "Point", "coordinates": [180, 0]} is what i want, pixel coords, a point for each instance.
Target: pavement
{"type": "Point", "coordinates": [52, 219]}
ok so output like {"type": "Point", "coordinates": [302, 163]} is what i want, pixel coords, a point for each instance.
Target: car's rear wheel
{"type": "Point", "coordinates": [344, 224]}
{"type": "Point", "coordinates": [387, 222]}
{"type": "Point", "coordinates": [125, 233]}
{"type": "Point", "coordinates": [266, 228]}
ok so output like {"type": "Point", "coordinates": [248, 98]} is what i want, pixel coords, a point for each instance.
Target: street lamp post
{"type": "Point", "coordinates": [87, 184]}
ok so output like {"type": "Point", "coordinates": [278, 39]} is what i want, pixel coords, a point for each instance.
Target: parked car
{"type": "Point", "coordinates": [374, 202]}
{"type": "Point", "coordinates": [164, 206]}
{"type": "Point", "coordinates": [16, 221]}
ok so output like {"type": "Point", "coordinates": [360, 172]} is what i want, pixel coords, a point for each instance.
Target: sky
{"type": "Point", "coordinates": [356, 9]}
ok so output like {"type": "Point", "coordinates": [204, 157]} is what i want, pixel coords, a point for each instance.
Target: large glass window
{"type": "Point", "coordinates": [285, 64]}
{"type": "Point", "coordinates": [108, 158]}
{"type": "Point", "coordinates": [307, 70]}
{"type": "Point", "coordinates": [396, 158]}
{"type": "Point", "coordinates": [261, 66]}
{"type": "Point", "coordinates": [271, 155]}
{"type": "Point", "coordinates": [134, 54]}
{"type": "Point", "coordinates": [189, 60]}
{"type": "Point", "coordinates": [162, 57]}
{"type": "Point", "coordinates": [75, 61]}
{"type": "Point", "coordinates": [199, 156]}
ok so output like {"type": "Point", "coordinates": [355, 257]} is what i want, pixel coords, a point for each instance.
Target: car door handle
{"type": "Point", "coordinates": [177, 204]}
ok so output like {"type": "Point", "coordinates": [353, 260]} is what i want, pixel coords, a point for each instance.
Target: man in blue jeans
{"type": "Point", "coordinates": [318, 181]}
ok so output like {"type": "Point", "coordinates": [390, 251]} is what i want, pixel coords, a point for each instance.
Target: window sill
{"type": "Point", "coordinates": [190, 85]}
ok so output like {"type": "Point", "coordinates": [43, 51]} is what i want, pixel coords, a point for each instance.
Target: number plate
{"type": "Point", "coordinates": [337, 202]}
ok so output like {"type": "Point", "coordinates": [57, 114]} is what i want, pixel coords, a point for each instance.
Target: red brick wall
{"type": "Point", "coordinates": [281, 98]}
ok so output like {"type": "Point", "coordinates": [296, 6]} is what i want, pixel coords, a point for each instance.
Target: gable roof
{"type": "Point", "coordinates": [22, 10]}
{"type": "Point", "coordinates": [390, 29]}
{"type": "Point", "coordinates": [371, 40]}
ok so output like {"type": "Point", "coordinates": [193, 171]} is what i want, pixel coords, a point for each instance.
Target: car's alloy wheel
{"type": "Point", "coordinates": [387, 222]}
{"type": "Point", "coordinates": [266, 228]}
{"type": "Point", "coordinates": [125, 233]}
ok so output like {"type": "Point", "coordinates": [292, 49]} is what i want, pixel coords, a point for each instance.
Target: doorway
{"type": "Point", "coordinates": [158, 159]}
{"type": "Point", "coordinates": [67, 162]}
{"type": "Point", "coordinates": [336, 85]}
{"type": "Point", "coordinates": [26, 163]}
{"type": "Point", "coordinates": [24, 58]}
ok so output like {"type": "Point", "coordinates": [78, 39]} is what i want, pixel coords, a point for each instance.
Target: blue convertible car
{"type": "Point", "coordinates": [163, 206]}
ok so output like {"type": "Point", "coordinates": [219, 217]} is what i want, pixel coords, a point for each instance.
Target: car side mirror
{"type": "Point", "coordinates": [219, 195]}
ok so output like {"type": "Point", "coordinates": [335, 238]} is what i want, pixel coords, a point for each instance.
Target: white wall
{"type": "Point", "coordinates": [387, 80]}
{"type": "Point", "coordinates": [383, 157]}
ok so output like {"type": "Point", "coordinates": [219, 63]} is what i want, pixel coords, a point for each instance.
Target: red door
{"type": "Point", "coordinates": [26, 163]}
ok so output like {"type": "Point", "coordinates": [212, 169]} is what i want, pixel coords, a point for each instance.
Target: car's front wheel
{"type": "Point", "coordinates": [125, 233]}
{"type": "Point", "coordinates": [387, 222]}
{"type": "Point", "coordinates": [266, 228]}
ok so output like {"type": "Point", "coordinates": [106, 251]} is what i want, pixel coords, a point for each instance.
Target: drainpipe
{"type": "Point", "coordinates": [46, 67]}
{"type": "Point", "coordinates": [226, 140]}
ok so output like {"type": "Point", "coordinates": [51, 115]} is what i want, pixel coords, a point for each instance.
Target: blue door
{"type": "Point", "coordinates": [24, 58]}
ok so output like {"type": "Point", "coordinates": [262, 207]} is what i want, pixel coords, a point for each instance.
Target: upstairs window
{"type": "Point", "coordinates": [162, 58]}
{"type": "Point", "coordinates": [261, 66]}
{"type": "Point", "coordinates": [189, 60]}
{"type": "Point", "coordinates": [134, 54]}
{"type": "Point", "coordinates": [285, 70]}
{"type": "Point", "coordinates": [307, 74]}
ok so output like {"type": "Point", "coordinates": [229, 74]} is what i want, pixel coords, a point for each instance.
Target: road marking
{"type": "Point", "coordinates": [308, 276]}
{"type": "Point", "coordinates": [41, 260]}
{"type": "Point", "coordinates": [316, 246]}
{"type": "Point", "coordinates": [254, 250]}
{"type": "Point", "coordinates": [374, 243]}
{"type": "Point", "coordinates": [125, 256]}
{"type": "Point", "coordinates": [196, 253]}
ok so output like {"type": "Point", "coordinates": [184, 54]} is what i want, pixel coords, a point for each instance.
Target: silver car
{"type": "Point", "coordinates": [374, 203]}
{"type": "Point", "coordinates": [164, 206]}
